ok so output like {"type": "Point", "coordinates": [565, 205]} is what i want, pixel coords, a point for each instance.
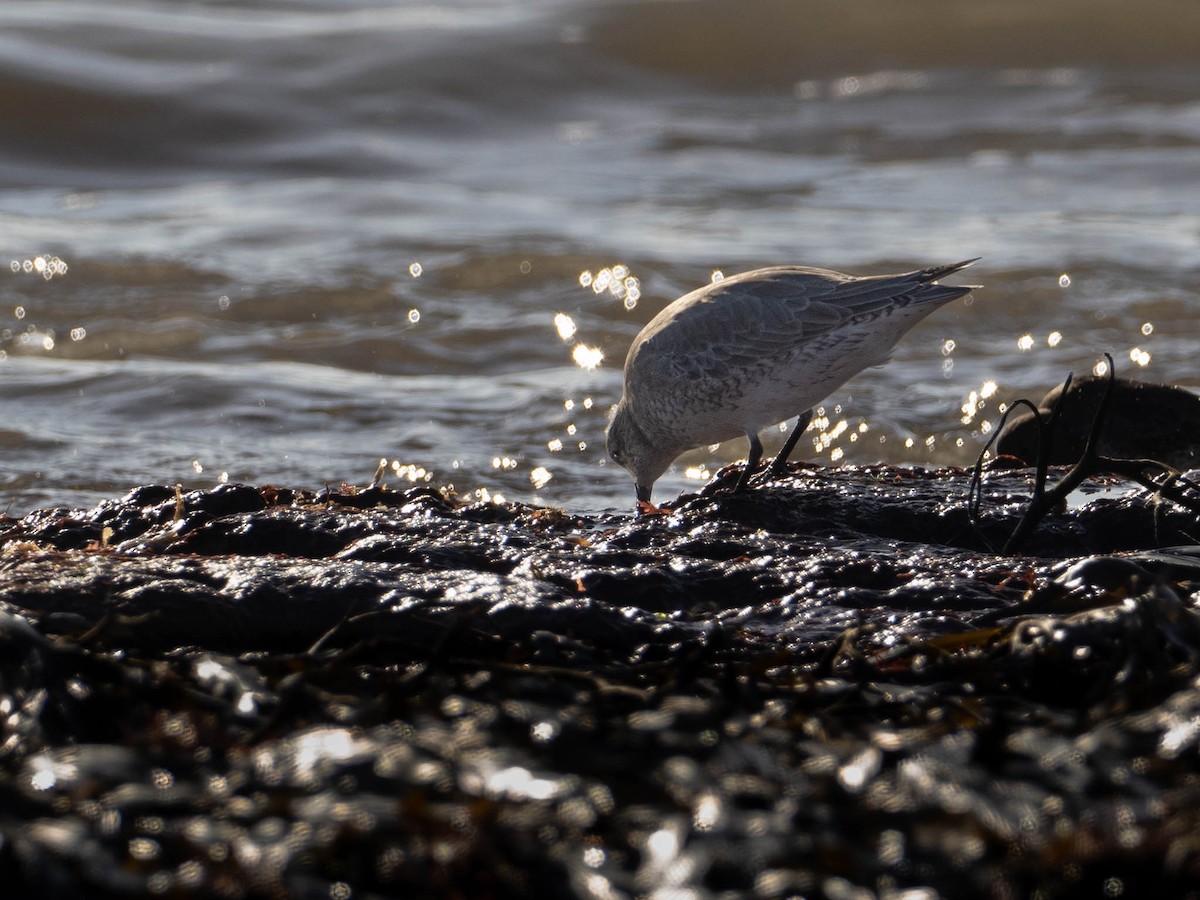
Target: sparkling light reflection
{"type": "Point", "coordinates": [564, 325]}
{"type": "Point", "coordinates": [587, 357]}
{"type": "Point", "coordinates": [410, 471]}
{"type": "Point", "coordinates": [1139, 356]}
{"type": "Point", "coordinates": [616, 281]}
{"type": "Point", "coordinates": [46, 266]}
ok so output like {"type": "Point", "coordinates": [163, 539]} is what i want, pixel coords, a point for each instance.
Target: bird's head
{"type": "Point", "coordinates": [628, 444]}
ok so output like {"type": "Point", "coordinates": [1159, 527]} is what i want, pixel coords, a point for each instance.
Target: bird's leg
{"type": "Point", "coordinates": [752, 461]}
{"type": "Point", "coordinates": [781, 457]}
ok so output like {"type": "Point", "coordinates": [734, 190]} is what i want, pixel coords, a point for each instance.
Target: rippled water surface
{"type": "Point", "coordinates": [300, 238]}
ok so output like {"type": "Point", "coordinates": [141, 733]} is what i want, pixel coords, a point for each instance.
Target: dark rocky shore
{"type": "Point", "coordinates": [829, 687]}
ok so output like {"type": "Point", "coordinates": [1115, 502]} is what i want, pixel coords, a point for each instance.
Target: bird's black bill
{"type": "Point", "coordinates": [643, 492]}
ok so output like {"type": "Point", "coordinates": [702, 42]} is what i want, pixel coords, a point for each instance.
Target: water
{"type": "Point", "coordinates": [240, 191]}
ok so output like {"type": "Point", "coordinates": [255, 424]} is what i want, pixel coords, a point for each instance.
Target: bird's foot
{"type": "Point", "coordinates": [732, 479]}
{"type": "Point", "coordinates": [773, 471]}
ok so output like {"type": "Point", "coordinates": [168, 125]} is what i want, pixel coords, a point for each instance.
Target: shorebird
{"type": "Point", "coordinates": [754, 349]}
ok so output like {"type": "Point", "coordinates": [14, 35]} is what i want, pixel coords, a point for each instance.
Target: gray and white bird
{"type": "Point", "coordinates": [738, 355]}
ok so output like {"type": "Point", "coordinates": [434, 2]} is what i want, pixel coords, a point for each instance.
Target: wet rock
{"type": "Point", "coordinates": [824, 686]}
{"type": "Point", "coordinates": [1144, 421]}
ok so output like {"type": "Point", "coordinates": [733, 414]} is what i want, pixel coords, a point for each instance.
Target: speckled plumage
{"type": "Point", "coordinates": [754, 349]}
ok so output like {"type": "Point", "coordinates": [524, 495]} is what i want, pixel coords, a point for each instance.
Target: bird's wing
{"type": "Point", "coordinates": [746, 321]}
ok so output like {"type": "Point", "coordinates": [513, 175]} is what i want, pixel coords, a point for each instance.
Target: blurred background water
{"type": "Point", "coordinates": [281, 241]}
